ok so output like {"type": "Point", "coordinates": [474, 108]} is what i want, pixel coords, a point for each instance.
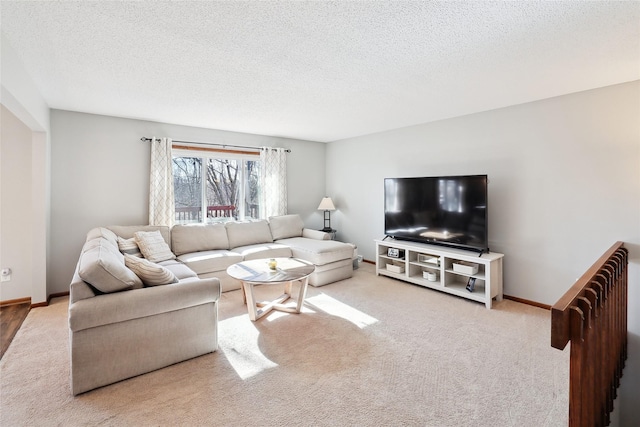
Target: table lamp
{"type": "Point", "coordinates": [326, 205]}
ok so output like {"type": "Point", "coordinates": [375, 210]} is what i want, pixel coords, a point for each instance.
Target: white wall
{"type": "Point", "coordinates": [20, 96]}
{"type": "Point", "coordinates": [564, 186]}
{"type": "Point", "coordinates": [100, 176]}
{"type": "Point", "coordinates": [15, 200]}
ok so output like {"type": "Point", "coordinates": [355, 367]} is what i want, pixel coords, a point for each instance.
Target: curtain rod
{"type": "Point", "coordinates": [145, 139]}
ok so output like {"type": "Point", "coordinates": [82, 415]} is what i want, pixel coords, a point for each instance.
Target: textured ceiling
{"type": "Point", "coordinates": [317, 70]}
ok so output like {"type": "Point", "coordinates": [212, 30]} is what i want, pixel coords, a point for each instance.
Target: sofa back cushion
{"type": "Point", "coordinates": [286, 226]}
{"type": "Point", "coordinates": [103, 232]}
{"type": "Point", "coordinates": [128, 231]}
{"type": "Point", "coordinates": [102, 266]}
{"type": "Point", "coordinates": [198, 237]}
{"type": "Point", "coordinates": [248, 233]}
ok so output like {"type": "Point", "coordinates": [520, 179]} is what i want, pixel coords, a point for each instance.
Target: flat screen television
{"type": "Point", "coordinates": [443, 210]}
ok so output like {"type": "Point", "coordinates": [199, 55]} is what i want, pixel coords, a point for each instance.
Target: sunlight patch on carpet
{"type": "Point", "coordinates": [336, 308]}
{"type": "Point", "coordinates": [238, 340]}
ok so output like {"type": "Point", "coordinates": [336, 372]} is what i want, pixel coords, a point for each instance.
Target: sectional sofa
{"type": "Point", "coordinates": [146, 297]}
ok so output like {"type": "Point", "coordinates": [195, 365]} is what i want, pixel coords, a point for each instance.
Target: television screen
{"type": "Point", "coordinates": [447, 210]}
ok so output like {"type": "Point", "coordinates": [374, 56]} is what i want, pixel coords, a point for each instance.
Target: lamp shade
{"type": "Point", "coordinates": [326, 204]}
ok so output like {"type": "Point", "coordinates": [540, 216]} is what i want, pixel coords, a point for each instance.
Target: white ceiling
{"type": "Point", "coordinates": [318, 70]}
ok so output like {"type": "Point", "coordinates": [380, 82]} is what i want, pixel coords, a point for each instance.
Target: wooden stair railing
{"type": "Point", "coordinates": [592, 314]}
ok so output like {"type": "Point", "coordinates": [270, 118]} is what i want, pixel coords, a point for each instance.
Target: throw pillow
{"type": "Point", "coordinates": [129, 246]}
{"type": "Point", "coordinates": [153, 246]}
{"type": "Point", "coordinates": [103, 268]}
{"type": "Point", "coordinates": [151, 274]}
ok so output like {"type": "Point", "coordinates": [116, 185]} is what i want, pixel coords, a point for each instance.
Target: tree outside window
{"type": "Point", "coordinates": [231, 188]}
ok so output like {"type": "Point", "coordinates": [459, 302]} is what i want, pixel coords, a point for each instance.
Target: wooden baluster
{"type": "Point", "coordinates": [616, 330]}
{"type": "Point", "coordinates": [596, 350]}
{"type": "Point", "coordinates": [614, 267]}
{"type": "Point", "coordinates": [625, 277]}
{"type": "Point", "coordinates": [589, 365]}
{"type": "Point", "coordinates": [577, 407]}
{"type": "Point", "coordinates": [603, 354]}
{"type": "Point", "coordinates": [620, 262]}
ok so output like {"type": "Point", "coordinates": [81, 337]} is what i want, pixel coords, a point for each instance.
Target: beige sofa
{"type": "Point", "coordinates": [125, 323]}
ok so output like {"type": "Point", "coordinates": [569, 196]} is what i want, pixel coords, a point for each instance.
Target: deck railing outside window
{"type": "Point", "coordinates": [188, 214]}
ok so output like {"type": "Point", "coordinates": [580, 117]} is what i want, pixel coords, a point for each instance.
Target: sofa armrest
{"type": "Point", "coordinates": [315, 234]}
{"type": "Point", "coordinates": [127, 305]}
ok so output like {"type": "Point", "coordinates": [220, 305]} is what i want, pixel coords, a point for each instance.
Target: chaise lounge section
{"type": "Point", "coordinates": [208, 249]}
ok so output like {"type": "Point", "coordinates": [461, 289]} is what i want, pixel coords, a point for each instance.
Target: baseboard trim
{"type": "Point", "coordinates": [49, 298]}
{"type": "Point", "coordinates": [509, 297]}
{"type": "Point", "coordinates": [40, 304]}
{"type": "Point", "coordinates": [528, 302]}
{"type": "Point", "coordinates": [26, 300]}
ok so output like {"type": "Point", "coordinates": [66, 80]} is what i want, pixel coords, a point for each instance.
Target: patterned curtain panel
{"type": "Point", "coordinates": [274, 181]}
{"type": "Point", "coordinates": [161, 201]}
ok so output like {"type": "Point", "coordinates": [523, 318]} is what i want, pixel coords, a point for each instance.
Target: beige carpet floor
{"type": "Point", "coordinates": [368, 351]}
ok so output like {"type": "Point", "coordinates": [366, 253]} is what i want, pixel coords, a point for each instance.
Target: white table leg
{"type": "Point", "coordinates": [250, 300]}
{"type": "Point", "coordinates": [302, 294]}
{"type": "Point", "coordinates": [287, 288]}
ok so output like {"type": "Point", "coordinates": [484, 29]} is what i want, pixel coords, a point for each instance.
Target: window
{"type": "Point", "coordinates": [228, 183]}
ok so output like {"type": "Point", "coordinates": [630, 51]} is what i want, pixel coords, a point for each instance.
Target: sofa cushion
{"type": "Point", "coordinates": [210, 261]}
{"type": "Point", "coordinates": [286, 226]}
{"type": "Point", "coordinates": [104, 269]}
{"type": "Point", "coordinates": [103, 232]}
{"type": "Point", "coordinates": [150, 273]}
{"type": "Point", "coordinates": [100, 241]}
{"type": "Point", "coordinates": [153, 246]}
{"type": "Point", "coordinates": [198, 237]}
{"type": "Point", "coordinates": [316, 234]}
{"type": "Point", "coordinates": [129, 246]}
{"type": "Point", "coordinates": [248, 233]}
{"type": "Point", "coordinates": [178, 268]}
{"type": "Point", "coordinates": [263, 250]}
{"type": "Point", "coordinates": [319, 252]}
{"type": "Point", "coordinates": [128, 231]}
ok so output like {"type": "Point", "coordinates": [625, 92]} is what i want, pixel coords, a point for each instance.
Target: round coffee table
{"type": "Point", "coordinates": [258, 272]}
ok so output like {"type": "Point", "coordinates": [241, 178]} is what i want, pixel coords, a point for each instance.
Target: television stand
{"type": "Point", "coordinates": [443, 269]}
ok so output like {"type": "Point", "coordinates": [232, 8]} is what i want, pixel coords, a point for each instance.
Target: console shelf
{"type": "Point", "coordinates": [421, 260]}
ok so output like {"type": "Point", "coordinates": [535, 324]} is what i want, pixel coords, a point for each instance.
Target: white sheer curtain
{"type": "Point", "coordinates": [274, 181]}
{"type": "Point", "coordinates": [161, 201]}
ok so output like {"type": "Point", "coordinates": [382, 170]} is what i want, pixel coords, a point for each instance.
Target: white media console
{"type": "Point", "coordinates": [443, 269]}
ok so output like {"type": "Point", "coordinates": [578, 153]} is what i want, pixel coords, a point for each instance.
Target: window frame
{"type": "Point", "coordinates": [215, 153]}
